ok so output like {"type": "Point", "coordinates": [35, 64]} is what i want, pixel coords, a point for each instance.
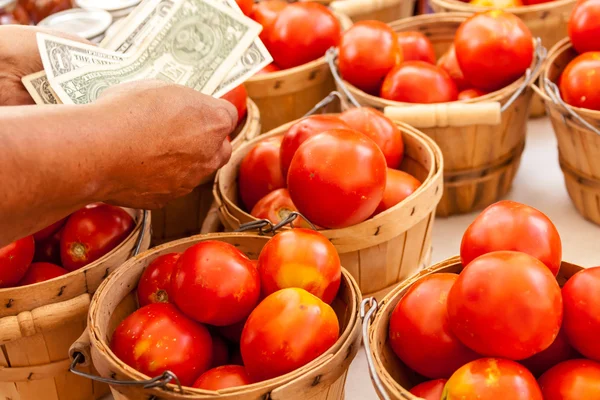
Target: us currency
{"type": "Point", "coordinates": [197, 45]}
{"type": "Point", "coordinates": [39, 88]}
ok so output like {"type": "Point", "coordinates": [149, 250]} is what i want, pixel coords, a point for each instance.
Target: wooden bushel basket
{"type": "Point", "coordinates": [481, 139]}
{"type": "Point", "coordinates": [383, 250]}
{"type": "Point", "coordinates": [38, 324]}
{"type": "Point", "coordinates": [380, 10]}
{"type": "Point", "coordinates": [321, 379]}
{"type": "Point", "coordinates": [391, 378]}
{"type": "Point", "coordinates": [578, 134]}
{"type": "Point", "coordinates": [185, 216]}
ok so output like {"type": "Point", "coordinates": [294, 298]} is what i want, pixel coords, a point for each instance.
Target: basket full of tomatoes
{"type": "Point", "coordinates": [569, 87]}
{"type": "Point", "coordinates": [227, 315]}
{"type": "Point", "coordinates": [470, 95]}
{"type": "Point", "coordinates": [498, 324]}
{"type": "Point", "coordinates": [47, 280]}
{"type": "Point", "coordinates": [380, 10]}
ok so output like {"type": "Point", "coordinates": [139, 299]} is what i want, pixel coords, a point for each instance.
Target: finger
{"type": "Point", "coordinates": [225, 153]}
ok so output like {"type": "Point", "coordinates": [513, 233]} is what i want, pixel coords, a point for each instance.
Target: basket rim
{"type": "Point", "coordinates": [542, 7]}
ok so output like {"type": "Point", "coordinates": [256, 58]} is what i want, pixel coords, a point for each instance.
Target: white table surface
{"type": "Point", "coordinates": [539, 183]}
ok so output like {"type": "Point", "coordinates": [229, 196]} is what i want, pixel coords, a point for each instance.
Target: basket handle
{"type": "Point", "coordinates": [140, 238]}
{"type": "Point", "coordinates": [446, 114]}
{"type": "Point", "coordinates": [554, 94]}
{"type": "Point", "coordinates": [352, 8]}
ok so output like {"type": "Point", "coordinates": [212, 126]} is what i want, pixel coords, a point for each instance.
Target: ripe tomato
{"type": "Point", "coordinates": [583, 26]}
{"type": "Point", "coordinates": [260, 172]}
{"type": "Point", "coordinates": [399, 185]}
{"type": "Point", "coordinates": [226, 376]}
{"type": "Point", "coordinates": [430, 390]}
{"type": "Point", "coordinates": [427, 345]}
{"type": "Point", "coordinates": [367, 52]}
{"type": "Point", "coordinates": [381, 129]}
{"type": "Point", "coordinates": [497, 3]}
{"type": "Point", "coordinates": [419, 82]}
{"type": "Point", "coordinates": [246, 6]}
{"type": "Point", "coordinates": [15, 259]}
{"type": "Point", "coordinates": [301, 131]}
{"type": "Point", "coordinates": [346, 172]}
{"type": "Point", "coordinates": [90, 233]}
{"type": "Point", "coordinates": [449, 63]}
{"type": "Point", "coordinates": [265, 13]}
{"type": "Point", "coordinates": [506, 304]}
{"type": "Point", "coordinates": [492, 379]}
{"type": "Point", "coordinates": [277, 206]}
{"type": "Point", "coordinates": [158, 338]}
{"type": "Point", "coordinates": [40, 272]}
{"type": "Point", "coordinates": [287, 330]}
{"type": "Point", "coordinates": [300, 258]}
{"type": "Point", "coordinates": [269, 68]}
{"type": "Point", "coordinates": [220, 351]}
{"type": "Point", "coordinates": [471, 94]}
{"type": "Point", "coordinates": [49, 230]}
{"type": "Point", "coordinates": [494, 49]}
{"type": "Point", "coordinates": [215, 283]}
{"type": "Point", "coordinates": [581, 297]}
{"type": "Point", "coordinates": [48, 250]}
{"type": "Point", "coordinates": [301, 33]}
{"type": "Point", "coordinates": [560, 350]}
{"type": "Point", "coordinates": [239, 98]}
{"type": "Point", "coordinates": [507, 225]}
{"type": "Point", "coordinates": [416, 47]}
{"type": "Point", "coordinates": [155, 284]}
{"type": "Point", "coordinates": [580, 80]}
{"type": "Point", "coordinates": [572, 380]}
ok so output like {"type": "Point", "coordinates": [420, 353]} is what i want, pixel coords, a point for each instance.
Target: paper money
{"type": "Point", "coordinates": [39, 88]}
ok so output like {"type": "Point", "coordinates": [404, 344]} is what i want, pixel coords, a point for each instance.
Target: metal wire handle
{"type": "Point", "coordinates": [140, 238]}
{"type": "Point", "coordinates": [331, 57]}
{"type": "Point", "coordinates": [325, 102]}
{"type": "Point", "coordinates": [271, 227]}
{"type": "Point", "coordinates": [554, 94]}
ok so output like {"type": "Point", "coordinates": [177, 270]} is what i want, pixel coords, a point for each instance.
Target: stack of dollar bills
{"type": "Point", "coordinates": [208, 45]}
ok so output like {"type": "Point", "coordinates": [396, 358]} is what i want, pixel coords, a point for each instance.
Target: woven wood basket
{"type": "Point", "coordinates": [383, 250]}
{"type": "Point", "coordinates": [390, 377]}
{"type": "Point", "coordinates": [186, 215]}
{"type": "Point", "coordinates": [38, 324]}
{"type": "Point", "coordinates": [284, 96]}
{"type": "Point", "coordinates": [321, 379]}
{"type": "Point", "coordinates": [481, 139]}
{"type": "Point", "coordinates": [578, 134]}
{"type": "Point", "coordinates": [380, 10]}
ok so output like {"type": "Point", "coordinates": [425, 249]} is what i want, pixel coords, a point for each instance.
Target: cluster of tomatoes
{"type": "Point", "coordinates": [65, 246]}
{"type": "Point", "coordinates": [580, 80]}
{"type": "Point", "coordinates": [490, 331]}
{"type": "Point", "coordinates": [336, 170]}
{"type": "Point", "coordinates": [218, 319]}
{"type": "Point", "coordinates": [490, 51]}
{"type": "Point", "coordinates": [505, 3]}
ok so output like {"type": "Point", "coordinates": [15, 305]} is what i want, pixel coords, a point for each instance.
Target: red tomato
{"type": "Point", "coordinates": [239, 98]}
{"type": "Point", "coordinates": [269, 68]}
{"type": "Point", "coordinates": [265, 13]}
{"type": "Point", "coordinates": [580, 80]}
{"type": "Point", "coordinates": [158, 338]}
{"type": "Point", "coordinates": [287, 330]}
{"type": "Point", "coordinates": [494, 49]}
{"type": "Point", "coordinates": [507, 225]}
{"type": "Point", "coordinates": [492, 379]}
{"type": "Point", "coordinates": [584, 29]}
{"type": "Point", "coordinates": [560, 350]}
{"type": "Point", "coordinates": [277, 206]}
{"type": "Point", "coordinates": [300, 258]}
{"type": "Point", "coordinates": [427, 345]}
{"type": "Point", "coordinates": [399, 185]}
{"type": "Point", "coordinates": [260, 172]}
{"type": "Point", "coordinates": [90, 233]}
{"type": "Point", "coordinates": [215, 283]}
{"type": "Point", "coordinates": [40, 272]}
{"type": "Point", "coordinates": [337, 178]}
{"type": "Point", "coordinates": [15, 259]}
{"type": "Point", "coordinates": [419, 82]}
{"type": "Point", "coordinates": [572, 380]}
{"type": "Point", "coordinates": [449, 63]}
{"type": "Point", "coordinates": [430, 390]}
{"type": "Point", "coordinates": [220, 352]}
{"type": "Point", "coordinates": [416, 47]}
{"type": "Point", "coordinates": [367, 52]}
{"type": "Point", "coordinates": [471, 94]}
{"type": "Point", "coordinates": [49, 230]}
{"type": "Point", "coordinates": [246, 6]}
{"type": "Point", "coordinates": [581, 297]}
{"type": "Point", "coordinates": [155, 284]}
{"type": "Point", "coordinates": [303, 130]}
{"type": "Point", "coordinates": [301, 33]}
{"type": "Point", "coordinates": [381, 129]}
{"type": "Point", "coordinates": [233, 332]}
{"type": "Point", "coordinates": [506, 304]}
{"type": "Point", "coordinates": [533, 2]}
{"type": "Point", "coordinates": [48, 250]}
{"type": "Point", "coordinates": [226, 376]}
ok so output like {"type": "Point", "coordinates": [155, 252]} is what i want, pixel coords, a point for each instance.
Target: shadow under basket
{"type": "Point", "coordinates": [321, 379]}
{"type": "Point", "coordinates": [383, 250]}
{"type": "Point", "coordinates": [481, 139]}
{"type": "Point", "coordinates": [395, 378]}
{"type": "Point", "coordinates": [186, 215]}
{"type": "Point", "coordinates": [578, 144]}
{"type": "Point", "coordinates": [38, 324]}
